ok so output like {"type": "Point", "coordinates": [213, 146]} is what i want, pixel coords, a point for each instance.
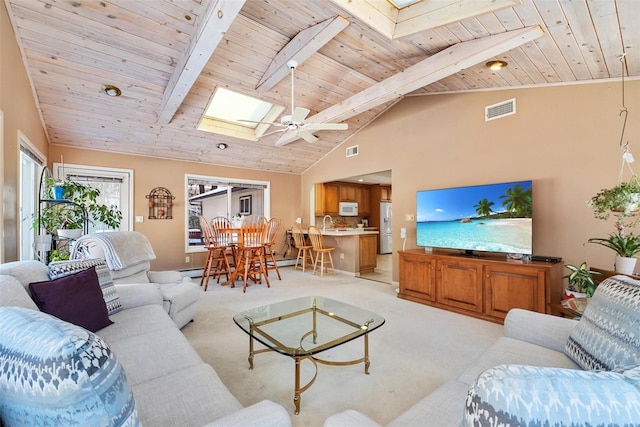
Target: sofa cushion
{"type": "Point", "coordinates": [76, 299]}
{"type": "Point", "coordinates": [512, 351]}
{"type": "Point", "coordinates": [110, 294]}
{"type": "Point", "coordinates": [160, 405]}
{"type": "Point", "coordinates": [606, 336]}
{"type": "Point", "coordinates": [518, 395]}
{"type": "Point", "coordinates": [56, 373]}
{"type": "Point", "coordinates": [26, 271]}
{"type": "Point", "coordinates": [13, 293]}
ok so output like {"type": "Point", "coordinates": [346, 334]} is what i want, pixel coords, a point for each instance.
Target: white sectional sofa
{"type": "Point", "coordinates": [170, 383]}
{"type": "Point", "coordinates": [545, 370]}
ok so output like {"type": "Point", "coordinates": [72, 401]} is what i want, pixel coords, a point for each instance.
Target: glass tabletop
{"type": "Point", "coordinates": [308, 325]}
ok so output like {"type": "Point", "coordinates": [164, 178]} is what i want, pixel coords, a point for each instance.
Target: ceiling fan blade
{"type": "Point", "coordinates": [326, 126]}
{"type": "Point", "coordinates": [273, 132]}
{"type": "Point", "coordinates": [299, 114]}
{"type": "Point", "coordinates": [264, 123]}
{"type": "Point", "coordinates": [307, 136]}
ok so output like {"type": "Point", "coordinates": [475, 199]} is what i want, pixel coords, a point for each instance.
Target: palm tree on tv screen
{"type": "Point", "coordinates": [518, 201]}
{"type": "Point", "coordinates": [483, 208]}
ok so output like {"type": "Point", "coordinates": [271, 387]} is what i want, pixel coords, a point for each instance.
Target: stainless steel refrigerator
{"type": "Point", "coordinates": [385, 227]}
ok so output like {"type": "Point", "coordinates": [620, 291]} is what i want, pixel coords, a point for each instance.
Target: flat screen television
{"type": "Point", "coordinates": [488, 218]}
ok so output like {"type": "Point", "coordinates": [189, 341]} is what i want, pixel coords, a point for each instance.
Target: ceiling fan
{"type": "Point", "coordinates": [295, 120]}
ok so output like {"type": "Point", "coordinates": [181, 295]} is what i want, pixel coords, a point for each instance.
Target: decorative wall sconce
{"type": "Point", "coordinates": [160, 203]}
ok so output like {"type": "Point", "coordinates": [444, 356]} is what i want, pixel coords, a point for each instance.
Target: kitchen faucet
{"type": "Point", "coordinates": [324, 227]}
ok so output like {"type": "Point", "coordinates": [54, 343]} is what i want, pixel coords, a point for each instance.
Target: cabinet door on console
{"type": "Point", "coordinates": [460, 284]}
{"type": "Point", "coordinates": [417, 276]}
{"type": "Point", "coordinates": [514, 287]}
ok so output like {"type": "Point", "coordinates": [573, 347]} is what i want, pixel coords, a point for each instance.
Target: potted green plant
{"type": "Point", "coordinates": [580, 279]}
{"type": "Point", "coordinates": [625, 246]}
{"type": "Point", "coordinates": [622, 201]}
{"type": "Point", "coordinates": [71, 216]}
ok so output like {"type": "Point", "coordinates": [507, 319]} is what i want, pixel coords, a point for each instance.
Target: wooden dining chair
{"type": "Point", "coordinates": [251, 262]}
{"type": "Point", "coordinates": [273, 226]}
{"type": "Point", "coordinates": [225, 237]}
{"type": "Point", "coordinates": [320, 251]}
{"type": "Point", "coordinates": [217, 263]}
{"type": "Point", "coordinates": [304, 250]}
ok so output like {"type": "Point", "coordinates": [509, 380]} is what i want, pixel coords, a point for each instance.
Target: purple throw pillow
{"type": "Point", "coordinates": [75, 299]}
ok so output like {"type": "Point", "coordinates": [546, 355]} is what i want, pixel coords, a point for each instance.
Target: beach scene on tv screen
{"type": "Point", "coordinates": [493, 218]}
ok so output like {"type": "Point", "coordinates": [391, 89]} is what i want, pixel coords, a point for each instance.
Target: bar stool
{"type": "Point", "coordinates": [304, 250]}
{"type": "Point", "coordinates": [320, 250]}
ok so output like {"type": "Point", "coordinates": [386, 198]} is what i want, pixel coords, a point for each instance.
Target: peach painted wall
{"type": "Point", "coordinates": [564, 138]}
{"type": "Point", "coordinates": [20, 114]}
{"type": "Point", "coordinates": [167, 236]}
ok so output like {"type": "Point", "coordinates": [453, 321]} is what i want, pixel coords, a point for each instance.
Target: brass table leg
{"type": "Point", "coordinates": [296, 395]}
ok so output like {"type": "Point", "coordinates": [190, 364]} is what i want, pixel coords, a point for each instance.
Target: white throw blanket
{"type": "Point", "coordinates": [121, 248]}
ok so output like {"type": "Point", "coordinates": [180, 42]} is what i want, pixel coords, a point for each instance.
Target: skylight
{"type": "Point", "coordinates": [403, 3]}
{"type": "Point", "coordinates": [230, 107]}
{"type": "Point", "coordinates": [227, 108]}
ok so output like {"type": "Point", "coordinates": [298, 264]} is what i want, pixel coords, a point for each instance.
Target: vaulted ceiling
{"type": "Point", "coordinates": [356, 59]}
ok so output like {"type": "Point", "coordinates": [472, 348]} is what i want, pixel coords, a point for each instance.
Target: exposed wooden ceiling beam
{"type": "Point", "coordinates": [393, 23]}
{"type": "Point", "coordinates": [302, 46]}
{"type": "Point", "coordinates": [436, 67]}
{"type": "Point", "coordinates": [214, 23]}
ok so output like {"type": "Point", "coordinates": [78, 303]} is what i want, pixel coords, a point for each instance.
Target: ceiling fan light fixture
{"type": "Point", "coordinates": [496, 65]}
{"type": "Point", "coordinates": [222, 146]}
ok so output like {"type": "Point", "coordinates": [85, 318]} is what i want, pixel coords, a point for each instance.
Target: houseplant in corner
{"type": "Point", "coordinates": [80, 200]}
{"type": "Point", "coordinates": [626, 248]}
{"type": "Point", "coordinates": [623, 202]}
{"type": "Point", "coordinates": [580, 279]}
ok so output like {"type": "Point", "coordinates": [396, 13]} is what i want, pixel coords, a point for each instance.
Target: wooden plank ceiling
{"type": "Point", "coordinates": [169, 56]}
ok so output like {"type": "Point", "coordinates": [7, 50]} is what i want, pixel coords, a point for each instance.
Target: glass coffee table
{"type": "Point", "coordinates": [303, 327]}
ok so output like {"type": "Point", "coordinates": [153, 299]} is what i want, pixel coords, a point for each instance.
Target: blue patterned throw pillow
{"type": "Point", "coordinates": [53, 373]}
{"type": "Point", "coordinates": [608, 334]}
{"type": "Point", "coordinates": [528, 396]}
{"type": "Point", "coordinates": [60, 269]}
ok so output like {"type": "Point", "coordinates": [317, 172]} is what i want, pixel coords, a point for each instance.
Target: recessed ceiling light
{"type": "Point", "coordinates": [496, 65]}
{"type": "Point", "coordinates": [111, 90]}
{"type": "Point", "coordinates": [222, 146]}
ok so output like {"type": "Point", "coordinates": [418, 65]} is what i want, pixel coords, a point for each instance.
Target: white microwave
{"type": "Point", "coordinates": [348, 209]}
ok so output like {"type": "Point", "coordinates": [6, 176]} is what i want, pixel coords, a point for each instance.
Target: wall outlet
{"type": "Point", "coordinates": [403, 233]}
{"type": "Point", "coordinates": [298, 220]}
{"type": "Point", "coordinates": [187, 259]}
{"type": "Point", "coordinates": [409, 217]}
{"type": "Point", "coordinates": [341, 256]}
{"type": "Point", "coordinates": [139, 218]}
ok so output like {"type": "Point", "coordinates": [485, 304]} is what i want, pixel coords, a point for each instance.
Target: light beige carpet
{"type": "Point", "coordinates": [415, 351]}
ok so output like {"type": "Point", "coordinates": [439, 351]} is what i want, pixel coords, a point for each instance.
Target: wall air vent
{"type": "Point", "coordinates": [501, 109]}
{"type": "Point", "coordinates": [352, 151]}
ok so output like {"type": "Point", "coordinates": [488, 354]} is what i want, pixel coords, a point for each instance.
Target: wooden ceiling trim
{"type": "Point", "coordinates": [299, 49]}
{"type": "Point", "coordinates": [215, 20]}
{"type": "Point", "coordinates": [434, 68]}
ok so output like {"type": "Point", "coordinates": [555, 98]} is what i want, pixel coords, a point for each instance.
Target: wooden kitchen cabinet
{"type": "Point", "coordinates": [363, 197]}
{"type": "Point", "coordinates": [385, 193]}
{"type": "Point", "coordinates": [486, 287]}
{"type": "Point", "coordinates": [347, 193]}
{"type": "Point", "coordinates": [368, 253]}
{"type": "Point", "coordinates": [326, 199]}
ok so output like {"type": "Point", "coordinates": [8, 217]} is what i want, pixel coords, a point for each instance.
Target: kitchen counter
{"type": "Point", "coordinates": [355, 249]}
{"type": "Point", "coordinates": [347, 231]}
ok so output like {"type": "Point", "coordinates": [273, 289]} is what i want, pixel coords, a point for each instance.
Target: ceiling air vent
{"type": "Point", "coordinates": [352, 151]}
{"type": "Point", "coordinates": [499, 110]}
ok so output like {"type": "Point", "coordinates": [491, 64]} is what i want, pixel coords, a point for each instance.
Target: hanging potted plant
{"type": "Point", "coordinates": [621, 201]}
